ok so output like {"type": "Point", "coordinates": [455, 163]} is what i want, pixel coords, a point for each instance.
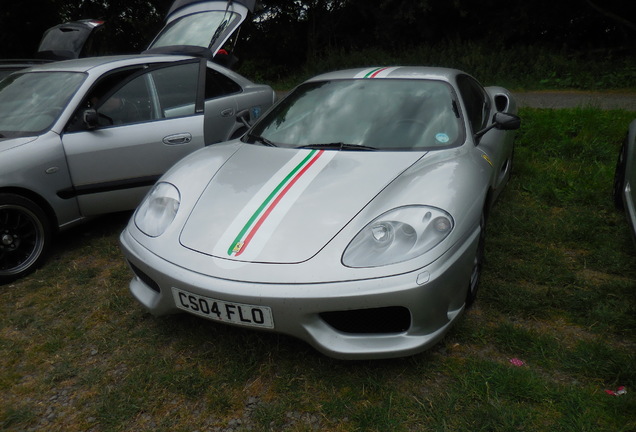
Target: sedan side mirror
{"type": "Point", "coordinates": [502, 121]}
{"type": "Point", "coordinates": [91, 118]}
{"type": "Point", "coordinates": [244, 117]}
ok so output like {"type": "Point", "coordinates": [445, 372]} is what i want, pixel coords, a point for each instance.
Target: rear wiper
{"type": "Point", "coordinates": [338, 145]}
{"type": "Point", "coordinates": [261, 140]}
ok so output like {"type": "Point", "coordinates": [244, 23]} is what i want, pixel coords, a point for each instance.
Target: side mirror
{"type": "Point", "coordinates": [90, 118]}
{"type": "Point", "coordinates": [502, 121]}
{"type": "Point", "coordinates": [506, 121]}
{"type": "Point", "coordinates": [244, 117]}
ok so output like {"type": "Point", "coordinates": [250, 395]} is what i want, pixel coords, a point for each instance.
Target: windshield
{"type": "Point", "coordinates": [200, 29]}
{"type": "Point", "coordinates": [381, 114]}
{"type": "Point", "coordinates": [31, 102]}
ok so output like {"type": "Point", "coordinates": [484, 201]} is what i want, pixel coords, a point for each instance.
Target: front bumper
{"type": "Point", "coordinates": [433, 297]}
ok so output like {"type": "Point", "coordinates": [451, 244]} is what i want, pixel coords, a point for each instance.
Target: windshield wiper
{"type": "Point", "coordinates": [261, 140]}
{"type": "Point", "coordinates": [339, 146]}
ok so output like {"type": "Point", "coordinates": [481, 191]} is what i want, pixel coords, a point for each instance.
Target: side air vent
{"type": "Point", "coordinates": [501, 102]}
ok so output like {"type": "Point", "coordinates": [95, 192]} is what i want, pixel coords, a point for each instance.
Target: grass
{"type": "Point", "coordinates": [77, 353]}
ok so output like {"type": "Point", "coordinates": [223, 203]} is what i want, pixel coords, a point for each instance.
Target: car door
{"type": "Point", "coordinates": [479, 114]}
{"type": "Point", "coordinates": [148, 118]}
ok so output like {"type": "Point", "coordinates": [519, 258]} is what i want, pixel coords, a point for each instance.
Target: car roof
{"type": "Point", "coordinates": [401, 72]}
{"type": "Point", "coordinates": [89, 63]}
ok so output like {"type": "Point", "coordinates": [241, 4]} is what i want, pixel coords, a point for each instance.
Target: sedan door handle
{"type": "Point", "coordinates": [228, 112]}
{"type": "Point", "coordinates": [177, 139]}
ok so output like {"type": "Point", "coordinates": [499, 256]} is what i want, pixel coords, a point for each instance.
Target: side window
{"type": "Point", "coordinates": [101, 96]}
{"type": "Point", "coordinates": [476, 101]}
{"type": "Point", "coordinates": [130, 104]}
{"type": "Point", "coordinates": [176, 89]}
{"type": "Point", "coordinates": [138, 95]}
{"type": "Point", "coordinates": [217, 85]}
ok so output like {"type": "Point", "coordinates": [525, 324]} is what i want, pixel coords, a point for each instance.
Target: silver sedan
{"type": "Point", "coordinates": [351, 216]}
{"type": "Point", "coordinates": [84, 137]}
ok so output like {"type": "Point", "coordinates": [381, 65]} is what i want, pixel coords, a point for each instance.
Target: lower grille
{"type": "Point", "coordinates": [145, 278]}
{"type": "Point", "coordinates": [392, 319]}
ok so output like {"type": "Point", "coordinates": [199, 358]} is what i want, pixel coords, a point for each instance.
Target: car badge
{"type": "Point", "coordinates": [237, 247]}
{"type": "Point", "coordinates": [256, 112]}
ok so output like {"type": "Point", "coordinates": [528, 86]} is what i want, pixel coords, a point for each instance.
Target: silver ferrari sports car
{"type": "Point", "coordinates": [90, 136]}
{"type": "Point", "coordinates": [625, 178]}
{"type": "Point", "coordinates": [351, 215]}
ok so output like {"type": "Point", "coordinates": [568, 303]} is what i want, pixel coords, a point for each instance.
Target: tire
{"type": "Point", "coordinates": [25, 235]}
{"type": "Point", "coordinates": [619, 177]}
{"type": "Point", "coordinates": [475, 276]}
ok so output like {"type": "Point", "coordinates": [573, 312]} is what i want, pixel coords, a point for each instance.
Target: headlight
{"type": "Point", "coordinates": [158, 209]}
{"type": "Point", "coordinates": [398, 235]}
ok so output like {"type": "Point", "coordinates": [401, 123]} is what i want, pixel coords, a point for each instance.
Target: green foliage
{"type": "Point", "coordinates": [520, 67]}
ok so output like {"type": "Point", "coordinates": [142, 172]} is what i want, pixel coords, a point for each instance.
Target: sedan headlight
{"type": "Point", "coordinates": [158, 209]}
{"type": "Point", "coordinates": [398, 235]}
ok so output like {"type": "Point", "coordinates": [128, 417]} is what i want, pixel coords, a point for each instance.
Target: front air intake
{"type": "Point", "coordinates": [392, 319]}
{"type": "Point", "coordinates": [144, 278]}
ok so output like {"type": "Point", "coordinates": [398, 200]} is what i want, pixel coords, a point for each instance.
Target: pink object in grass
{"type": "Point", "coordinates": [618, 392]}
{"type": "Point", "coordinates": [516, 362]}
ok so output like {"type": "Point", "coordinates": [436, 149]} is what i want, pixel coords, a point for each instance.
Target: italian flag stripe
{"type": "Point", "coordinates": [374, 73]}
{"type": "Point", "coordinates": [267, 206]}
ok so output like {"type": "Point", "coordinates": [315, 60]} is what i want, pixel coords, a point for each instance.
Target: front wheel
{"type": "Point", "coordinates": [475, 276]}
{"type": "Point", "coordinates": [25, 234]}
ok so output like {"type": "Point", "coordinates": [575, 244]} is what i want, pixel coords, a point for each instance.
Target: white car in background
{"type": "Point", "coordinates": [625, 178]}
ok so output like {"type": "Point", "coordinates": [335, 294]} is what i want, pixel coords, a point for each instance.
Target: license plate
{"type": "Point", "coordinates": [219, 310]}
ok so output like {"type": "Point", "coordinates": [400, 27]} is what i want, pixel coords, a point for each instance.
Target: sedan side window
{"type": "Point", "coordinates": [139, 95]}
{"type": "Point", "coordinates": [130, 104]}
{"type": "Point", "coordinates": [476, 101]}
{"type": "Point", "coordinates": [176, 89]}
{"type": "Point", "coordinates": [217, 85]}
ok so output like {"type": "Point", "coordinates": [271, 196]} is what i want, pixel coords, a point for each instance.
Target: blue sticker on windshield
{"type": "Point", "coordinates": [442, 137]}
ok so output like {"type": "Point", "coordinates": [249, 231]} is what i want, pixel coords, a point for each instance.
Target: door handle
{"type": "Point", "coordinates": [177, 139]}
{"type": "Point", "coordinates": [228, 112]}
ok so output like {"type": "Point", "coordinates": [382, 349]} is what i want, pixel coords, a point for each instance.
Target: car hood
{"type": "Point", "coordinates": [9, 143]}
{"type": "Point", "coordinates": [198, 27]}
{"type": "Point", "coordinates": [274, 205]}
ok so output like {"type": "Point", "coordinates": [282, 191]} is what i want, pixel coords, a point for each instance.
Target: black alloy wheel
{"type": "Point", "coordinates": [25, 235]}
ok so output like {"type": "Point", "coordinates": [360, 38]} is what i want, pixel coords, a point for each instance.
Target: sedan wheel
{"type": "Point", "coordinates": [478, 263]}
{"type": "Point", "coordinates": [24, 236]}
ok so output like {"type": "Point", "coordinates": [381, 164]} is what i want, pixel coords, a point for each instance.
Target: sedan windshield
{"type": "Point", "coordinates": [375, 114]}
{"type": "Point", "coordinates": [31, 102]}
